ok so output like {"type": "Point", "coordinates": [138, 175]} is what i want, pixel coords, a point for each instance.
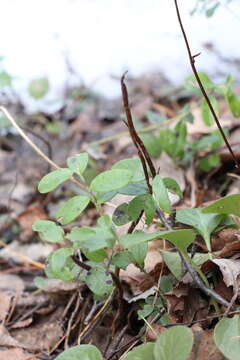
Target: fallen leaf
{"type": "Point", "coordinates": [204, 347]}
{"type": "Point", "coordinates": [7, 340]}
{"type": "Point", "coordinates": [34, 252]}
{"type": "Point", "coordinates": [230, 270]}
{"type": "Point", "coordinates": [47, 331]}
{"type": "Point", "coordinates": [27, 218]}
{"type": "Point", "coordinates": [16, 354]}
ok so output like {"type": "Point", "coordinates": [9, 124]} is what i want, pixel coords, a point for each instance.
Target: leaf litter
{"type": "Point", "coordinates": [50, 321]}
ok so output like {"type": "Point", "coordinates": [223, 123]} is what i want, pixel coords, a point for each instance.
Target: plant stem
{"type": "Point", "coordinates": [200, 84]}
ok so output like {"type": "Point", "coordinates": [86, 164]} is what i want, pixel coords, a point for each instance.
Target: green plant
{"type": "Point", "coordinates": [137, 178]}
{"type": "Point", "coordinates": [95, 254]}
{"type": "Point", "coordinates": [208, 6]}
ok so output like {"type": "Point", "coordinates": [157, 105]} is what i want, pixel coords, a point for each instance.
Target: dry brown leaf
{"type": "Point", "coordinates": [47, 332]}
{"type": "Point", "coordinates": [16, 354]}
{"type": "Point", "coordinates": [230, 270]}
{"type": "Point", "coordinates": [230, 249]}
{"type": "Point", "coordinates": [204, 347]}
{"type": "Point", "coordinates": [5, 301]}
{"type": "Point", "coordinates": [7, 340]}
{"type": "Point", "coordinates": [22, 323]}
{"type": "Point", "coordinates": [224, 237]}
{"type": "Point", "coordinates": [34, 252]}
{"type": "Point", "coordinates": [58, 286]}
{"type": "Point", "coordinates": [153, 332]}
{"type": "Point", "coordinates": [133, 277]}
{"type": "Point", "coordinates": [27, 218]}
{"type": "Point", "coordinates": [11, 286]}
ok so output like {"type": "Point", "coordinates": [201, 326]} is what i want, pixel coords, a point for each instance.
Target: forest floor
{"type": "Point", "coordinates": [38, 324]}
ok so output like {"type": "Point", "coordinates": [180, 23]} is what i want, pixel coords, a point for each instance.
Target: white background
{"type": "Point", "coordinates": [106, 37]}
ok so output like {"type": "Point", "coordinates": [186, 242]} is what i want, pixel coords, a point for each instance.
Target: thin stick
{"type": "Point", "coordinates": [136, 139]}
{"type": "Point", "coordinates": [37, 264]}
{"type": "Point", "coordinates": [107, 302]}
{"type": "Point", "coordinates": [200, 84]}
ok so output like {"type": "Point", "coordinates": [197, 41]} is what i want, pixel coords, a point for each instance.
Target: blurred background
{"type": "Point", "coordinates": [91, 43]}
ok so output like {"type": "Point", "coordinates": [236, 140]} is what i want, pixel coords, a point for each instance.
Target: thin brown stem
{"type": "Point", "coordinates": [134, 135]}
{"type": "Point", "coordinates": [200, 84]}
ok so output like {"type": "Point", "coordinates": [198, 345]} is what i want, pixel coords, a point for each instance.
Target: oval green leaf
{"type": "Point", "coordinates": [160, 194]}
{"type": "Point", "coordinates": [174, 344]}
{"type": "Point", "coordinates": [52, 180]}
{"type": "Point", "coordinates": [120, 216]}
{"type": "Point", "coordinates": [78, 163]}
{"type": "Point", "coordinates": [111, 180]}
{"type": "Point", "coordinates": [49, 231]}
{"type": "Point", "coordinates": [132, 164]}
{"type": "Point", "coordinates": [80, 352]}
{"type": "Point", "coordinates": [180, 238]}
{"type": "Point", "coordinates": [226, 337]}
{"type": "Point", "coordinates": [72, 209]}
{"type": "Point", "coordinates": [226, 205]}
{"type": "Point", "coordinates": [142, 352]}
{"type": "Point", "coordinates": [38, 88]}
{"type": "Point", "coordinates": [172, 186]}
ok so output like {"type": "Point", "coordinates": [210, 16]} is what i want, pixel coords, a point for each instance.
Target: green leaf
{"type": "Point", "coordinates": [111, 180]}
{"type": "Point", "coordinates": [138, 253]}
{"type": "Point", "coordinates": [226, 205]}
{"type": "Point", "coordinates": [120, 216]}
{"type": "Point", "coordinates": [105, 221]}
{"type": "Point", "coordinates": [180, 131]}
{"type": "Point", "coordinates": [141, 352]}
{"type": "Point", "coordinates": [166, 284]}
{"type": "Point", "coordinates": [212, 9]}
{"type": "Point", "coordinates": [78, 163]}
{"type": "Point", "coordinates": [99, 281]}
{"type": "Point", "coordinates": [145, 312]}
{"type": "Point", "coordinates": [160, 194]}
{"type": "Point", "coordinates": [233, 102]}
{"type": "Point", "coordinates": [80, 352]}
{"type": "Point", "coordinates": [38, 88]}
{"type": "Point", "coordinates": [192, 85]}
{"type": "Point", "coordinates": [92, 239]}
{"type": "Point", "coordinates": [206, 112]}
{"type": "Point", "coordinates": [209, 142]}
{"type": "Point", "coordinates": [155, 117]}
{"type": "Point", "coordinates": [61, 265]}
{"type": "Point", "coordinates": [48, 231]}
{"type": "Point", "coordinates": [134, 188]}
{"type": "Point", "coordinates": [152, 144]}
{"type": "Point", "coordinates": [174, 344]}
{"type": "Point", "coordinates": [174, 262]}
{"type": "Point", "coordinates": [52, 180]}
{"type": "Point", "coordinates": [80, 235]}
{"type": "Point", "coordinates": [172, 186]}
{"type": "Point", "coordinates": [142, 202]}
{"type": "Point", "coordinates": [95, 256]}
{"type": "Point", "coordinates": [209, 162]}
{"type": "Point", "coordinates": [104, 197]}
{"type": "Point", "coordinates": [122, 259]}
{"type": "Point", "coordinates": [186, 114]}
{"type": "Point", "coordinates": [180, 238]}
{"type": "Point", "coordinates": [5, 79]}
{"type": "Point", "coordinates": [72, 209]}
{"type": "Point", "coordinates": [168, 139]}
{"type": "Point", "coordinates": [205, 224]}
{"type": "Point", "coordinates": [132, 164]}
{"type": "Point", "coordinates": [226, 337]}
